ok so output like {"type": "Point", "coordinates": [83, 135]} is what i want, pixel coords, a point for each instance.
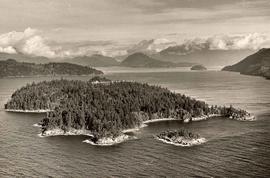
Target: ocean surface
{"type": "Point", "coordinates": [233, 148]}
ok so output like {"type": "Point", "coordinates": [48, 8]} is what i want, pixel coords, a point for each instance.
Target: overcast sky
{"type": "Point", "coordinates": [134, 19]}
{"type": "Point", "coordinates": [125, 21]}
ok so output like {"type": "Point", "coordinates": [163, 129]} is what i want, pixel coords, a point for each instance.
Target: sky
{"type": "Point", "coordinates": [114, 24]}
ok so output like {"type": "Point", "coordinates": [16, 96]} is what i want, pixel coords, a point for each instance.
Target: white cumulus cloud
{"type": "Point", "coordinates": [28, 42]}
{"type": "Point", "coordinates": [151, 46]}
{"type": "Point", "coordinates": [36, 46]}
{"type": "Point", "coordinates": [14, 37]}
{"type": "Point", "coordinates": [247, 41]}
{"type": "Point", "coordinates": [32, 42]}
{"type": "Point", "coordinates": [9, 50]}
{"type": "Point", "coordinates": [253, 41]}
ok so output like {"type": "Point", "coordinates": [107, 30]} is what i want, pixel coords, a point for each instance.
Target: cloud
{"type": "Point", "coordinates": [36, 46]}
{"type": "Point", "coordinates": [151, 46]}
{"type": "Point", "coordinates": [32, 42]}
{"type": "Point", "coordinates": [28, 42]}
{"type": "Point", "coordinates": [88, 48]}
{"type": "Point", "coordinates": [253, 41]}
{"type": "Point", "coordinates": [77, 20]}
{"type": "Point", "coordinates": [9, 50]}
{"type": "Point", "coordinates": [113, 53]}
{"type": "Point", "coordinates": [14, 37]}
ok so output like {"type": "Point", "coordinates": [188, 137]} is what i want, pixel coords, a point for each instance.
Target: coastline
{"type": "Point", "coordinates": [145, 124]}
{"type": "Point", "coordinates": [60, 75]}
{"type": "Point", "coordinates": [198, 118]}
{"type": "Point", "coordinates": [246, 118]}
{"type": "Point", "coordinates": [106, 141]}
{"type": "Point", "coordinates": [28, 111]}
{"type": "Point", "coordinates": [109, 141]}
{"type": "Point", "coordinates": [184, 142]}
{"type": "Point", "coordinates": [159, 120]}
{"type": "Point", "coordinates": [134, 129]}
{"type": "Point", "coordinates": [57, 132]}
{"type": "Point", "coordinates": [204, 117]}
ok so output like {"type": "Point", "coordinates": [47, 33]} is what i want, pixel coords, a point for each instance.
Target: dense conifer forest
{"type": "Point", "coordinates": [107, 109]}
{"type": "Point", "coordinates": [11, 67]}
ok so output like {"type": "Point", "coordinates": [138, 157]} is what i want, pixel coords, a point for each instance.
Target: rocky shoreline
{"type": "Point", "coordinates": [184, 142]}
{"type": "Point", "coordinates": [244, 118]}
{"type": "Point", "coordinates": [203, 117]}
{"type": "Point", "coordinates": [105, 141]}
{"type": "Point", "coordinates": [181, 137]}
{"type": "Point", "coordinates": [109, 141]}
{"type": "Point", "coordinates": [57, 132]}
{"type": "Point", "coordinates": [28, 111]}
{"type": "Point", "coordinates": [134, 129]}
{"type": "Point", "coordinates": [159, 120]}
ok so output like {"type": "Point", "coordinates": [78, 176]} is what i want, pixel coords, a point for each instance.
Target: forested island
{"type": "Point", "coordinates": [12, 68]}
{"type": "Point", "coordinates": [198, 67]}
{"type": "Point", "coordinates": [106, 110]}
{"type": "Point", "coordinates": [181, 137]}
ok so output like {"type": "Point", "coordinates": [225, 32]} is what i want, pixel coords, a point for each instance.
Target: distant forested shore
{"type": "Point", "coordinates": [12, 68]}
{"type": "Point", "coordinates": [257, 64]}
{"type": "Point", "coordinates": [106, 109]}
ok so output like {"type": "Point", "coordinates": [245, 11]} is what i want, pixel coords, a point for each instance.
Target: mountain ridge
{"type": "Point", "coordinates": [257, 64]}
{"type": "Point", "coordinates": [202, 55]}
{"type": "Point", "coordinates": [96, 60]}
{"type": "Point", "coordinates": [12, 68]}
{"type": "Point", "coordinates": [142, 60]}
{"type": "Point", "coordinates": [20, 57]}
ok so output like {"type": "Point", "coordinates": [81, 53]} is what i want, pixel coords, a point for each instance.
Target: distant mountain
{"type": "Point", "coordinates": [94, 61]}
{"type": "Point", "coordinates": [201, 54]}
{"type": "Point", "coordinates": [256, 64]}
{"type": "Point", "coordinates": [11, 67]}
{"type": "Point", "coordinates": [24, 58]}
{"type": "Point", "coordinates": [142, 60]}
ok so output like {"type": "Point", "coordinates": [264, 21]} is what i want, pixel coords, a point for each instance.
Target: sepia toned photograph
{"type": "Point", "coordinates": [134, 88]}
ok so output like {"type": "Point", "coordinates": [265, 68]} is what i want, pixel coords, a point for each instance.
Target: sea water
{"type": "Point", "coordinates": [233, 148]}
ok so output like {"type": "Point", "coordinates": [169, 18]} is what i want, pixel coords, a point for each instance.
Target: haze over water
{"type": "Point", "coordinates": [233, 148]}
